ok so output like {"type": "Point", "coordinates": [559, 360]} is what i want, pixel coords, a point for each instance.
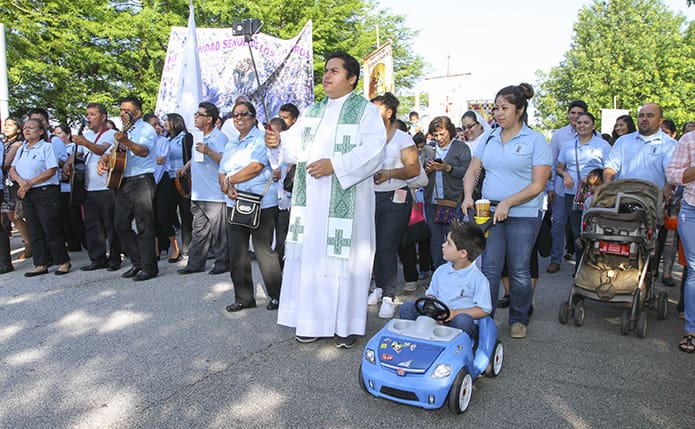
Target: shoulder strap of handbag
{"type": "Point", "coordinates": [267, 184]}
{"type": "Point", "coordinates": [481, 170]}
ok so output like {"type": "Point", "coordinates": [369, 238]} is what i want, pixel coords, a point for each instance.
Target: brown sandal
{"type": "Point", "coordinates": [687, 343]}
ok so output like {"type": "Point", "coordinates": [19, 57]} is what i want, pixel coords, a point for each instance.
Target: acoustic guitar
{"type": "Point", "coordinates": [77, 172]}
{"type": "Point", "coordinates": [119, 156]}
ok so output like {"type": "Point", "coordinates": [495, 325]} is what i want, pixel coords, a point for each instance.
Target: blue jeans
{"type": "Point", "coordinates": [557, 230]}
{"type": "Point", "coordinates": [574, 218]}
{"type": "Point", "coordinates": [512, 239]}
{"type": "Point", "coordinates": [439, 233]}
{"type": "Point", "coordinates": [463, 322]}
{"type": "Point", "coordinates": [686, 231]}
{"type": "Point", "coordinates": [391, 219]}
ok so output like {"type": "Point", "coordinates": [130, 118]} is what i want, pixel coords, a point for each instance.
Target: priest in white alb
{"type": "Point", "coordinates": [338, 145]}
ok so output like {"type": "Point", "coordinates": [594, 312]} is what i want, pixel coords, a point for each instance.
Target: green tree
{"type": "Point", "coordinates": [635, 50]}
{"type": "Point", "coordinates": [61, 52]}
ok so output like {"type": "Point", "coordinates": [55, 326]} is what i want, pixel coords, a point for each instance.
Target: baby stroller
{"type": "Point", "coordinates": [619, 235]}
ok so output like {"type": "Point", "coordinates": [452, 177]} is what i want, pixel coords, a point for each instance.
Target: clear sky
{"type": "Point", "coordinates": [499, 42]}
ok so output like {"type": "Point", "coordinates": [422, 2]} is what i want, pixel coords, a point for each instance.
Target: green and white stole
{"type": "Point", "coordinates": [342, 201]}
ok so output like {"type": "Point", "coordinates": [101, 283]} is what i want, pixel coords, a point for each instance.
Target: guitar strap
{"type": "Point", "coordinates": [103, 130]}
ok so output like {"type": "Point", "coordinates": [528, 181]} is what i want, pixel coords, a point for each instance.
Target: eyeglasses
{"type": "Point", "coordinates": [198, 114]}
{"type": "Point", "coordinates": [241, 115]}
{"type": "Point", "coordinates": [469, 127]}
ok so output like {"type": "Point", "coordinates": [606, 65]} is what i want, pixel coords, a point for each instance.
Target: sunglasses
{"type": "Point", "coordinates": [469, 127]}
{"type": "Point", "coordinates": [242, 114]}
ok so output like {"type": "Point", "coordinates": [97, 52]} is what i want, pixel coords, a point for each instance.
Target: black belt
{"type": "Point", "coordinates": [138, 177]}
{"type": "Point", "coordinates": [44, 188]}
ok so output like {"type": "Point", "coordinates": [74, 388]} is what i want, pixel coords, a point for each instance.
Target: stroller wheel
{"type": "Point", "coordinates": [662, 306]}
{"type": "Point", "coordinates": [564, 313]}
{"type": "Point", "coordinates": [642, 324]}
{"type": "Point", "coordinates": [625, 323]}
{"type": "Point", "coordinates": [579, 313]}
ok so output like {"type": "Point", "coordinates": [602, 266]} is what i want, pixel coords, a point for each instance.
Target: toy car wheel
{"type": "Point", "coordinates": [642, 324]}
{"type": "Point", "coordinates": [460, 393]}
{"type": "Point", "coordinates": [564, 313]}
{"type": "Point", "coordinates": [625, 323]}
{"type": "Point", "coordinates": [662, 306]}
{"type": "Point", "coordinates": [361, 381]}
{"type": "Point", "coordinates": [495, 366]}
{"type": "Point", "coordinates": [579, 313]}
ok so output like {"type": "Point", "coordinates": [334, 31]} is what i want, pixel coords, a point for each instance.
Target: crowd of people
{"type": "Point", "coordinates": [335, 192]}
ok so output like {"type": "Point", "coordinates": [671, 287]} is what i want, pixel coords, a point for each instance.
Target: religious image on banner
{"type": "Point", "coordinates": [378, 70]}
{"type": "Point", "coordinates": [285, 69]}
{"type": "Point", "coordinates": [484, 108]}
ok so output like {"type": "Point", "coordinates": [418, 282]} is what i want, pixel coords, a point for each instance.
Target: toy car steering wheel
{"type": "Point", "coordinates": [432, 307]}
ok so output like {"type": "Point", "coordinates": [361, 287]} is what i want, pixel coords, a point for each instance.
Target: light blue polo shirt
{"type": "Point", "coordinates": [30, 162]}
{"type": "Point", "coordinates": [176, 154]}
{"type": "Point", "coordinates": [557, 141]}
{"type": "Point", "coordinates": [142, 133]}
{"type": "Point", "coordinates": [637, 157]}
{"type": "Point", "coordinates": [205, 185]}
{"type": "Point", "coordinates": [161, 148]}
{"type": "Point", "coordinates": [591, 156]}
{"type": "Point", "coordinates": [61, 153]}
{"type": "Point", "coordinates": [464, 288]}
{"type": "Point", "coordinates": [509, 168]}
{"type": "Point", "coordinates": [239, 154]}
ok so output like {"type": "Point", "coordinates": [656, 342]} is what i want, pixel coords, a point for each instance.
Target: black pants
{"type": "Point", "coordinates": [165, 211]}
{"type": "Point", "coordinates": [282, 225]}
{"type": "Point", "coordinates": [72, 224]}
{"type": "Point", "coordinates": [134, 200]}
{"type": "Point", "coordinates": [184, 205]}
{"type": "Point", "coordinates": [5, 258]}
{"type": "Point", "coordinates": [99, 226]}
{"type": "Point", "coordinates": [42, 213]}
{"type": "Point", "coordinates": [240, 262]}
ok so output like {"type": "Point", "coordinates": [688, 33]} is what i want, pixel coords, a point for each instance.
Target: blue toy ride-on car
{"type": "Point", "coordinates": [423, 363]}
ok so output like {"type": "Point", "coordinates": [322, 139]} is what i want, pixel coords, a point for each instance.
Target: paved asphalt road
{"type": "Point", "coordinates": [93, 350]}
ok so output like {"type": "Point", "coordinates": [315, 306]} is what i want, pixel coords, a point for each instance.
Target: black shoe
{"type": "Point", "coordinates": [94, 266]}
{"type": "Point", "coordinates": [569, 256]}
{"type": "Point", "coordinates": [273, 304]}
{"type": "Point", "coordinates": [668, 281]}
{"type": "Point", "coordinates": [144, 275]}
{"type": "Point", "coordinates": [503, 302]}
{"type": "Point", "coordinates": [114, 267]}
{"type": "Point", "coordinates": [233, 308]}
{"type": "Point", "coordinates": [6, 269]}
{"type": "Point", "coordinates": [62, 273]}
{"type": "Point", "coordinates": [188, 271]}
{"type": "Point", "coordinates": [176, 259]}
{"type": "Point", "coordinates": [36, 273]}
{"type": "Point", "coordinates": [345, 342]}
{"type": "Point", "coordinates": [132, 272]}
{"type": "Point", "coordinates": [217, 270]}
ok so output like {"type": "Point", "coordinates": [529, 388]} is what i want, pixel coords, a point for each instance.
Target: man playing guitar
{"type": "Point", "coordinates": [136, 192]}
{"type": "Point", "coordinates": [99, 199]}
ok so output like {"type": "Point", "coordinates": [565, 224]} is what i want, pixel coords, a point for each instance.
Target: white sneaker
{"type": "Point", "coordinates": [375, 296]}
{"type": "Point", "coordinates": [387, 308]}
{"type": "Point", "coordinates": [410, 286]}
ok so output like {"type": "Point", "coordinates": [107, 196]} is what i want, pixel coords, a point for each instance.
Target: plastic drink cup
{"type": "Point", "coordinates": [482, 208]}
